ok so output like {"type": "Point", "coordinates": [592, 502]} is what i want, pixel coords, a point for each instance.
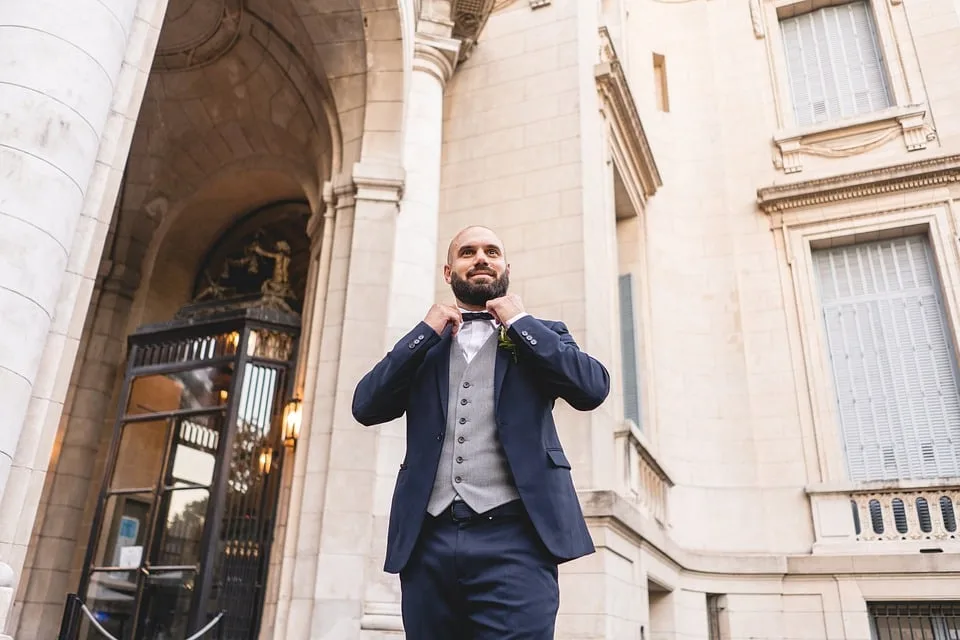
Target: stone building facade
{"type": "Point", "coordinates": [748, 209]}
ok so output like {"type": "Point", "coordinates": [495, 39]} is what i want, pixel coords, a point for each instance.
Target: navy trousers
{"type": "Point", "coordinates": [480, 577]}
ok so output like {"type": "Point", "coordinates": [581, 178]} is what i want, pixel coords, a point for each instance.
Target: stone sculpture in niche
{"type": "Point", "coordinates": [275, 290]}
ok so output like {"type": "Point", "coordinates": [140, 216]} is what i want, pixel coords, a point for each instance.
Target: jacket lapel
{"type": "Point", "coordinates": [442, 351]}
{"type": "Point", "coordinates": [504, 358]}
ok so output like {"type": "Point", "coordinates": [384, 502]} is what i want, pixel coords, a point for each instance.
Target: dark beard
{"type": "Point", "coordinates": [478, 294]}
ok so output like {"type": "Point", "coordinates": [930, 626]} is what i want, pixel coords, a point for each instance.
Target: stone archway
{"type": "Point", "coordinates": [262, 86]}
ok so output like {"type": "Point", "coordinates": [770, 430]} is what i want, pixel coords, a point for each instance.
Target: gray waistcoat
{"type": "Point", "coordinates": [472, 462]}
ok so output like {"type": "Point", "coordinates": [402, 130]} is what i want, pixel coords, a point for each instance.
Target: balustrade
{"type": "Point", "coordinates": [644, 481]}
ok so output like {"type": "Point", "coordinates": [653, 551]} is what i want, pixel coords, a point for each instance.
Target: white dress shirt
{"type": "Point", "coordinates": [473, 335]}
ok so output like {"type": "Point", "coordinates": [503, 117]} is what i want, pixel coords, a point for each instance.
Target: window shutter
{"type": "Point", "coordinates": [892, 360]}
{"type": "Point", "coordinates": [628, 351]}
{"type": "Point", "coordinates": [833, 63]}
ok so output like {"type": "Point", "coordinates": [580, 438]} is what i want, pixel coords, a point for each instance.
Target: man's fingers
{"type": "Point", "coordinates": [455, 318]}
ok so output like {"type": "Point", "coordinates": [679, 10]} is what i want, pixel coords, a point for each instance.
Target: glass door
{"type": "Point", "coordinates": [148, 559]}
{"type": "Point", "coordinates": [185, 520]}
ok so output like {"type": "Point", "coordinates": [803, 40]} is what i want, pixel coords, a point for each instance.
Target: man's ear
{"type": "Point", "coordinates": [446, 273]}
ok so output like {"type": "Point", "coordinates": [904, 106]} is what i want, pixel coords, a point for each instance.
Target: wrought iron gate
{"type": "Point", "coordinates": [186, 514]}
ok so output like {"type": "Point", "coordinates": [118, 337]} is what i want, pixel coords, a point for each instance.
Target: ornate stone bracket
{"type": "Point", "coordinates": [469, 18]}
{"type": "Point", "coordinates": [756, 17]}
{"type": "Point", "coordinates": [629, 141]}
{"type": "Point", "coordinates": [857, 136]}
{"type": "Point", "coordinates": [929, 172]}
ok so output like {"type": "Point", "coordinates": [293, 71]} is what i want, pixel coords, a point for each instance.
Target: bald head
{"type": "Point", "coordinates": [476, 268]}
{"type": "Point", "coordinates": [469, 238]}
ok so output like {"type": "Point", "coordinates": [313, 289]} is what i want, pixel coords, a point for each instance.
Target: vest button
{"type": "Point", "coordinates": [466, 385]}
{"type": "Point", "coordinates": [458, 480]}
{"type": "Point", "coordinates": [464, 401]}
{"type": "Point", "coordinates": [463, 421]}
{"type": "Point", "coordinates": [459, 458]}
{"type": "Point", "coordinates": [461, 439]}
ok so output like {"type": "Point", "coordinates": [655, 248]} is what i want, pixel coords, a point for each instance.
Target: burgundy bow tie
{"type": "Point", "coordinates": [470, 316]}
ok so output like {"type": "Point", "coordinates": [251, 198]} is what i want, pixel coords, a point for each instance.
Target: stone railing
{"type": "Point", "coordinates": [644, 481]}
{"type": "Point", "coordinates": [889, 517]}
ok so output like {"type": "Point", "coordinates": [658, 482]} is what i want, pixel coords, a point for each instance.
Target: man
{"type": "Point", "coordinates": [484, 507]}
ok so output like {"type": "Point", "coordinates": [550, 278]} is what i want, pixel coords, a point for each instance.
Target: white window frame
{"type": "Point", "coordinates": [798, 239]}
{"type": "Point", "coordinates": [906, 118]}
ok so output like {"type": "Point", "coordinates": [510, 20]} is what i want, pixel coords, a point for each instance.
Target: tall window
{"type": "Point", "coordinates": [834, 63]}
{"type": "Point", "coordinates": [892, 359]}
{"type": "Point", "coordinates": [628, 351]}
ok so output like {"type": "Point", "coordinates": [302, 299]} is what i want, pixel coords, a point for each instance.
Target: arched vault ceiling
{"type": "Point", "coordinates": [344, 58]}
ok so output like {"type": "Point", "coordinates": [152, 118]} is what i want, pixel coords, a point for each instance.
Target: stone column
{"type": "Point", "coordinates": [325, 552]}
{"type": "Point", "coordinates": [57, 83]}
{"type": "Point", "coordinates": [413, 282]}
{"type": "Point", "coordinates": [69, 99]}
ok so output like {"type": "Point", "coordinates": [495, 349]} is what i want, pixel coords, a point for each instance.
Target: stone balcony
{"type": "Point", "coordinates": [889, 517]}
{"type": "Point", "coordinates": [645, 483]}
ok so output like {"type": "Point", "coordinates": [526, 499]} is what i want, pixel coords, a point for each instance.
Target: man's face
{"type": "Point", "coordinates": [477, 270]}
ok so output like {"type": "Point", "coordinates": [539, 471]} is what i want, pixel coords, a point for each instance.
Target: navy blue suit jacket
{"type": "Point", "coordinates": [414, 379]}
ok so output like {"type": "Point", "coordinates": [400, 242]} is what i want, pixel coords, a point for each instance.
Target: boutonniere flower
{"type": "Point", "coordinates": [504, 342]}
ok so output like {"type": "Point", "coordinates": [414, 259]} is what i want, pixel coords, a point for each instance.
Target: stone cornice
{"type": "Point", "coordinates": [628, 130]}
{"type": "Point", "coordinates": [862, 184]}
{"type": "Point", "coordinates": [378, 183]}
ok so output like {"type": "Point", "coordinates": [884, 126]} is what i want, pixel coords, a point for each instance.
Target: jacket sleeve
{"type": "Point", "coordinates": [381, 395]}
{"type": "Point", "coordinates": [566, 371]}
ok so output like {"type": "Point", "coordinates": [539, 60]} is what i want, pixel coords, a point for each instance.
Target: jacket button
{"type": "Point", "coordinates": [439, 436]}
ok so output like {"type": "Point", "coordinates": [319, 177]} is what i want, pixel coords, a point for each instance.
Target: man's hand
{"type": "Point", "coordinates": [440, 315]}
{"type": "Point", "coordinates": [505, 308]}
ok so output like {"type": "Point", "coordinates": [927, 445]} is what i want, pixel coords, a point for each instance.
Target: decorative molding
{"type": "Point", "coordinates": [469, 18]}
{"type": "Point", "coordinates": [376, 183]}
{"type": "Point", "coordinates": [436, 55]}
{"type": "Point", "coordinates": [756, 17]}
{"type": "Point", "coordinates": [853, 137]}
{"type": "Point", "coordinates": [630, 142]}
{"type": "Point", "coordinates": [209, 46]}
{"type": "Point", "coordinates": [929, 172]}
